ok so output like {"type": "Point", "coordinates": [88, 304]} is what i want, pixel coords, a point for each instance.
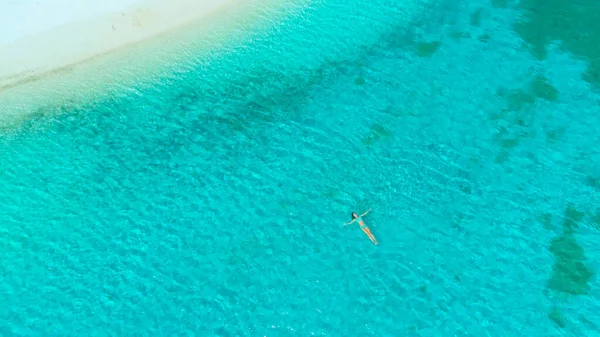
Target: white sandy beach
{"type": "Point", "coordinates": [39, 37]}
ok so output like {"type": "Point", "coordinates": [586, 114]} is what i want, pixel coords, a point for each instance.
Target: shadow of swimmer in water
{"type": "Point", "coordinates": [362, 225]}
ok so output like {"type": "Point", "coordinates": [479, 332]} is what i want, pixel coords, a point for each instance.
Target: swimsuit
{"type": "Point", "coordinates": [363, 225]}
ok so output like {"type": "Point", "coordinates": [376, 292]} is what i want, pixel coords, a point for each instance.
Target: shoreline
{"type": "Point", "coordinates": [227, 30]}
{"type": "Point", "coordinates": [80, 39]}
{"type": "Point", "coordinates": [213, 29]}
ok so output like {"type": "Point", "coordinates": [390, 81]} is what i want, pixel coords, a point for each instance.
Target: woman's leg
{"type": "Point", "coordinates": [368, 232]}
{"type": "Point", "coordinates": [371, 235]}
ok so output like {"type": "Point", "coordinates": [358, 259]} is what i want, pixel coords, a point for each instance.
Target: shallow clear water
{"type": "Point", "coordinates": [211, 203]}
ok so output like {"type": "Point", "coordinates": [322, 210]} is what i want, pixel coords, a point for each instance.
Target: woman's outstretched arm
{"type": "Point", "coordinates": [365, 213]}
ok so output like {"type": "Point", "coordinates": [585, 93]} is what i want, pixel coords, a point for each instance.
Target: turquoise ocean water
{"type": "Point", "coordinates": [210, 201]}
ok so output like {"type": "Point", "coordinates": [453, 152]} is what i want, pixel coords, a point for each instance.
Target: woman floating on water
{"type": "Point", "coordinates": [362, 225]}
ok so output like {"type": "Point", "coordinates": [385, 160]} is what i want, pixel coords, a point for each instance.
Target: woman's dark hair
{"type": "Point", "coordinates": [354, 215]}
